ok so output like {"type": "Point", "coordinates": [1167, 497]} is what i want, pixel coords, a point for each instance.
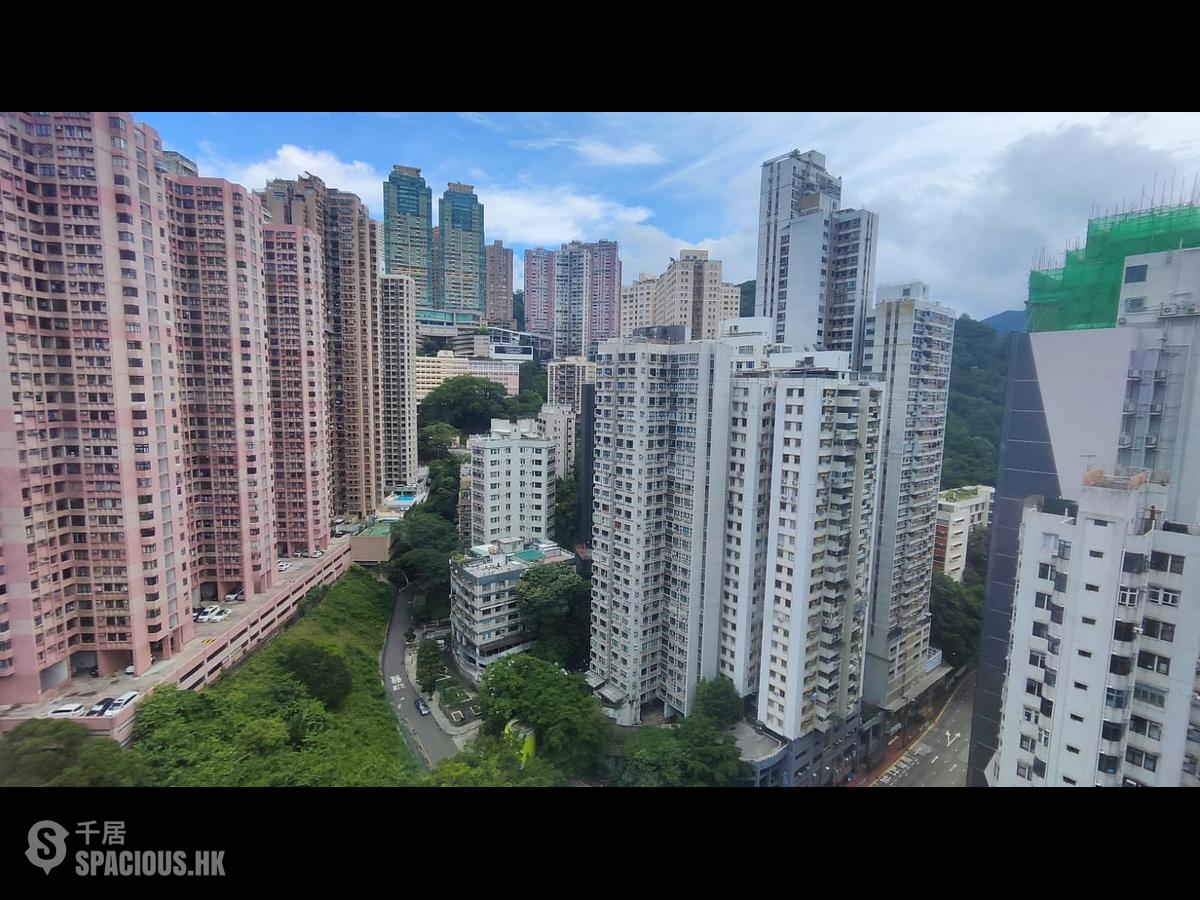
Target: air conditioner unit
{"type": "Point", "coordinates": [1137, 629]}
{"type": "Point", "coordinates": [1168, 310]}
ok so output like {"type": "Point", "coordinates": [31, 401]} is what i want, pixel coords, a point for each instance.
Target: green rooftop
{"type": "Point", "coordinates": [381, 530]}
{"type": "Point", "coordinates": [1086, 291]}
{"type": "Point", "coordinates": [529, 555]}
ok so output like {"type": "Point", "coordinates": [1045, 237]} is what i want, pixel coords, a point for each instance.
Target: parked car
{"type": "Point", "coordinates": [220, 615]}
{"type": "Point", "coordinates": [68, 711]}
{"type": "Point", "coordinates": [200, 615]}
{"type": "Point", "coordinates": [317, 554]}
{"type": "Point", "coordinates": [130, 670]}
{"type": "Point", "coordinates": [235, 596]}
{"type": "Point", "coordinates": [422, 707]}
{"type": "Point", "coordinates": [120, 703]}
{"type": "Point", "coordinates": [284, 565]}
{"type": "Point", "coordinates": [101, 707]}
{"type": "Point", "coordinates": [213, 614]}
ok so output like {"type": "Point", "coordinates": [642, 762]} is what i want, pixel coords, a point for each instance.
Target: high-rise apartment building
{"type": "Point", "coordinates": [353, 275]}
{"type": "Point", "coordinates": [691, 293]}
{"type": "Point", "coordinates": [498, 261]}
{"type": "Point", "coordinates": [658, 517]}
{"type": "Point", "coordinates": [960, 510]}
{"type": "Point", "coordinates": [408, 244]}
{"type": "Point", "coordinates": [604, 292]}
{"type": "Point", "coordinates": [94, 544]}
{"type": "Point", "coordinates": [815, 261]}
{"type": "Point", "coordinates": [637, 304]}
{"type": "Point", "coordinates": [299, 405]}
{"type": "Point", "coordinates": [215, 233]}
{"type": "Point", "coordinates": [539, 291]}
{"type": "Point", "coordinates": [572, 300]}
{"type": "Point", "coordinates": [349, 238]}
{"type": "Point", "coordinates": [910, 344]}
{"type": "Point", "coordinates": [398, 385]}
{"type": "Point", "coordinates": [565, 379]}
{"type": "Point", "coordinates": [435, 278]}
{"type": "Point", "coordinates": [461, 269]}
{"type": "Point", "coordinates": [828, 434]}
{"type": "Point", "coordinates": [1094, 520]}
{"type": "Point", "coordinates": [512, 483]}
{"type": "Point", "coordinates": [559, 423]}
{"type": "Point", "coordinates": [485, 624]}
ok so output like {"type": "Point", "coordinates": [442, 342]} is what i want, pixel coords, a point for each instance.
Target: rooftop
{"type": "Point", "coordinates": [755, 745]}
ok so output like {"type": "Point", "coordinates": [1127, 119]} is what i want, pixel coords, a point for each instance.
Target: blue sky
{"type": "Point", "coordinates": [965, 199]}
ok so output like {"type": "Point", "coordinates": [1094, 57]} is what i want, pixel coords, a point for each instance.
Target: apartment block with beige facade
{"type": "Point", "coordinates": [498, 291]}
{"type": "Point", "coordinates": [430, 372]}
{"type": "Point", "coordinates": [637, 304]}
{"type": "Point", "coordinates": [352, 312]}
{"type": "Point", "coordinates": [295, 281]}
{"type": "Point", "coordinates": [559, 423]}
{"type": "Point", "coordinates": [959, 510]}
{"type": "Point", "coordinates": [691, 293]}
{"type": "Point", "coordinates": [398, 387]}
{"type": "Point", "coordinates": [93, 530]}
{"type": "Point", "coordinates": [565, 379]}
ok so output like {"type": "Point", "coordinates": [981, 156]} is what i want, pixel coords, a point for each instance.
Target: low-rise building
{"type": "Point", "coordinates": [432, 371]}
{"type": "Point", "coordinates": [485, 625]}
{"type": "Point", "coordinates": [959, 510]}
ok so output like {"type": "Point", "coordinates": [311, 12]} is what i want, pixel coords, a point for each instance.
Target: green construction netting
{"type": "Point", "coordinates": [1086, 291]}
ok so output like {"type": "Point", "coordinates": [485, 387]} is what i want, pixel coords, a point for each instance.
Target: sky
{"type": "Point", "coordinates": [966, 201]}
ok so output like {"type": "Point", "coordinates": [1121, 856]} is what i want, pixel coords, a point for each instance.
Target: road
{"type": "Point", "coordinates": [435, 744]}
{"type": "Point", "coordinates": [939, 758]}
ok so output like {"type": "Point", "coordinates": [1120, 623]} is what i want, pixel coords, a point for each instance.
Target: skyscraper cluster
{"type": "Point", "coordinates": [574, 295]}
{"type": "Point", "coordinates": [197, 374]}
{"type": "Point", "coordinates": [765, 493]}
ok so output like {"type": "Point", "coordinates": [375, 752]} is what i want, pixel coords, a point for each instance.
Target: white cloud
{"type": "Point", "coordinates": [599, 153]}
{"type": "Point", "coordinates": [290, 161]}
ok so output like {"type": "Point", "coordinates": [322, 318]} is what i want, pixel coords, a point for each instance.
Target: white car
{"type": "Point", "coordinates": [199, 615]}
{"type": "Point", "coordinates": [284, 566]}
{"type": "Point", "coordinates": [234, 597]}
{"type": "Point", "coordinates": [120, 703]}
{"type": "Point", "coordinates": [67, 712]}
{"type": "Point", "coordinates": [317, 554]}
{"type": "Point", "coordinates": [213, 614]}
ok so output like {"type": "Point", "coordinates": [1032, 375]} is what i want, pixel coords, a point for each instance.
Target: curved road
{"type": "Point", "coordinates": [435, 744]}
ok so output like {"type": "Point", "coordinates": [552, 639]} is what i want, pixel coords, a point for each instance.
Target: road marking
{"type": "Point", "coordinates": [935, 759]}
{"type": "Point", "coordinates": [953, 767]}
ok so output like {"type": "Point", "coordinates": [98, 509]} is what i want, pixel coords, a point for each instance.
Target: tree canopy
{"type": "Point", "coordinates": [555, 606]}
{"type": "Point", "coordinates": [718, 700]}
{"type": "Point", "coordinates": [435, 440]}
{"type": "Point", "coordinates": [533, 379]}
{"type": "Point", "coordinates": [56, 753]}
{"type": "Point", "coordinates": [320, 669]}
{"type": "Point", "coordinates": [519, 309]}
{"type": "Point", "coordinates": [493, 762]}
{"type": "Point", "coordinates": [975, 411]}
{"type": "Point", "coordinates": [571, 730]}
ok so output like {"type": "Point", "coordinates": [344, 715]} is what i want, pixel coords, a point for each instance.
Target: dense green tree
{"type": "Point", "coordinates": [975, 410]}
{"type": "Point", "coordinates": [956, 612]}
{"type": "Point", "coordinates": [979, 542]}
{"type": "Point", "coordinates": [533, 379]}
{"type": "Point", "coordinates": [566, 512]}
{"type": "Point", "coordinates": [259, 725]}
{"type": "Point", "coordinates": [696, 753]}
{"type": "Point", "coordinates": [654, 757]}
{"type": "Point", "coordinates": [718, 700]}
{"type": "Point", "coordinates": [435, 440]}
{"type": "Point", "coordinates": [570, 728]}
{"type": "Point", "coordinates": [444, 485]}
{"type": "Point", "coordinates": [56, 753]}
{"type": "Point", "coordinates": [519, 309]}
{"type": "Point", "coordinates": [525, 405]}
{"type": "Point", "coordinates": [466, 403]}
{"type": "Point", "coordinates": [555, 606]}
{"type": "Point", "coordinates": [319, 668]}
{"type": "Point", "coordinates": [429, 664]}
{"type": "Point", "coordinates": [423, 529]}
{"type": "Point", "coordinates": [493, 762]}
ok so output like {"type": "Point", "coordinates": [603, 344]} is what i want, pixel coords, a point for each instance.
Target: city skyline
{"type": "Point", "coordinates": [969, 198]}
